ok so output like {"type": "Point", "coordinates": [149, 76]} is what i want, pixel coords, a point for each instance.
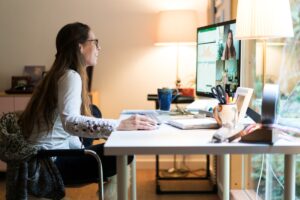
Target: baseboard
{"type": "Point", "coordinates": [237, 194]}
{"type": "Point", "coordinates": [243, 194]}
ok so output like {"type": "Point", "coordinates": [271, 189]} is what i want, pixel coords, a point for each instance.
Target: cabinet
{"type": "Point", "coordinates": [11, 103]}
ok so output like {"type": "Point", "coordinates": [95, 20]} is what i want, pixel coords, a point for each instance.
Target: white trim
{"type": "Point", "coordinates": [239, 194]}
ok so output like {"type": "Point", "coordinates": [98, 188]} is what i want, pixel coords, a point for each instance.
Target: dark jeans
{"type": "Point", "coordinates": [83, 169]}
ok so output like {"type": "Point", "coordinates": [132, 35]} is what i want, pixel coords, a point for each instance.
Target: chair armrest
{"type": "Point", "coordinates": [60, 152]}
{"type": "Point", "coordinates": [77, 152]}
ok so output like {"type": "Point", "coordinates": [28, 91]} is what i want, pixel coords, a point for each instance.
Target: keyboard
{"type": "Point", "coordinates": [155, 117]}
{"type": "Point", "coordinates": [149, 113]}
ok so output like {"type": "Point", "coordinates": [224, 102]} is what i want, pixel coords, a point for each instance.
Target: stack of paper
{"type": "Point", "coordinates": [194, 123]}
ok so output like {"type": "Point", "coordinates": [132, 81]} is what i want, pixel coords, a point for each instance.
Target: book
{"type": "Point", "coordinates": [194, 123]}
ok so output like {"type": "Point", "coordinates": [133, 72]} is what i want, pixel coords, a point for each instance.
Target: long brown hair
{"type": "Point", "coordinates": [41, 108]}
{"type": "Point", "coordinates": [231, 49]}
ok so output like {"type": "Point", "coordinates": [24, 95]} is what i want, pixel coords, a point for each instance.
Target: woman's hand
{"type": "Point", "coordinates": [137, 122]}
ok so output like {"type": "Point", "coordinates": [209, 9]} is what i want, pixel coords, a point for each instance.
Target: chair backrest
{"type": "Point", "coordinates": [95, 111]}
{"type": "Point", "coordinates": [22, 163]}
{"type": "Point", "coordinates": [13, 146]}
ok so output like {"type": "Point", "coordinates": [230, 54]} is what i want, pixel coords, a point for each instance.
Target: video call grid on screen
{"type": "Point", "coordinates": [218, 59]}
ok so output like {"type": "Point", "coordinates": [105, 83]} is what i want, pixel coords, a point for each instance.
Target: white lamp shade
{"type": "Point", "coordinates": [176, 26]}
{"type": "Point", "coordinates": [263, 19]}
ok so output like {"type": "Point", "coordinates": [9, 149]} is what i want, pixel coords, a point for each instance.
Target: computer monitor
{"type": "Point", "coordinates": [218, 58]}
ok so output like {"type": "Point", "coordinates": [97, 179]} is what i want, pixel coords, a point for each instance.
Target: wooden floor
{"type": "Point", "coordinates": [145, 190]}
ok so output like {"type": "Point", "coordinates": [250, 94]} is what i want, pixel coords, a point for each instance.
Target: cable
{"type": "Point", "coordinates": [261, 171]}
{"type": "Point", "coordinates": [270, 164]}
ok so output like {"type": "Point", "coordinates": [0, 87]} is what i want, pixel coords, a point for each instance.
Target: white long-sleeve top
{"type": "Point", "coordinates": [69, 123]}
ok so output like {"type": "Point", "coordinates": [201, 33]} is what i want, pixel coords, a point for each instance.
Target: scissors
{"type": "Point", "coordinates": [219, 93]}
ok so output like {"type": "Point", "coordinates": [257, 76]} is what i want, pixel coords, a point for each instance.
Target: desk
{"type": "Point", "coordinates": [178, 100]}
{"type": "Point", "coordinates": [169, 140]}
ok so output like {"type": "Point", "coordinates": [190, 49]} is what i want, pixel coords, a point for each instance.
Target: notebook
{"type": "Point", "coordinates": [194, 123]}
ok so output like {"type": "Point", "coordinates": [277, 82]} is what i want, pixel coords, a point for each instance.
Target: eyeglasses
{"type": "Point", "coordinates": [96, 42]}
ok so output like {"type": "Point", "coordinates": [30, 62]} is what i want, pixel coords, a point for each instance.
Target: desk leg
{"type": "Point", "coordinates": [226, 177]}
{"type": "Point", "coordinates": [133, 179]}
{"type": "Point", "coordinates": [122, 177]}
{"type": "Point", "coordinates": [289, 177]}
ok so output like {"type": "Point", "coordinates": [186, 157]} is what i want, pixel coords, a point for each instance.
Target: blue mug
{"type": "Point", "coordinates": [165, 98]}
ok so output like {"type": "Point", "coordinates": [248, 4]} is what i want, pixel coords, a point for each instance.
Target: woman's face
{"type": "Point", "coordinates": [90, 50]}
{"type": "Point", "coordinates": [229, 39]}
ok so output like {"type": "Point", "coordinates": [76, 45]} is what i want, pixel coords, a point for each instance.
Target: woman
{"type": "Point", "coordinates": [59, 110]}
{"type": "Point", "coordinates": [229, 51]}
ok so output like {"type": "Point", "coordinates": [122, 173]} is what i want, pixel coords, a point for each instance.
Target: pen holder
{"type": "Point", "coordinates": [226, 115]}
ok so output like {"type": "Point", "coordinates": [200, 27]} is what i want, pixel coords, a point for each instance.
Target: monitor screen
{"type": "Point", "coordinates": [218, 58]}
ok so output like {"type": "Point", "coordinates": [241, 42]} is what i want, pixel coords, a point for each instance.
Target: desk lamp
{"type": "Point", "coordinates": [264, 19]}
{"type": "Point", "coordinates": [176, 27]}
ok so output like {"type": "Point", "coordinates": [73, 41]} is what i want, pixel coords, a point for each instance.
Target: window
{"type": "Point", "coordinates": [282, 67]}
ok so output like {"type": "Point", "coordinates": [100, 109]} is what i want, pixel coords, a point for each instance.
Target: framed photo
{"type": "Point", "coordinates": [222, 10]}
{"type": "Point", "coordinates": [20, 82]}
{"type": "Point", "coordinates": [242, 98]}
{"type": "Point", "coordinates": [20, 85]}
{"type": "Point", "coordinates": [36, 73]}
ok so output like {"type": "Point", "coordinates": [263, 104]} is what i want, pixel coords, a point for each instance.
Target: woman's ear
{"type": "Point", "coordinates": [80, 48]}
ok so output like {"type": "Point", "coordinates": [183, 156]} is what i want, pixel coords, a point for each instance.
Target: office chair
{"type": "Point", "coordinates": [95, 111]}
{"type": "Point", "coordinates": [77, 152]}
{"type": "Point", "coordinates": [11, 135]}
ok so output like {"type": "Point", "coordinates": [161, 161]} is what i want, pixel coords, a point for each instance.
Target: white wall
{"type": "Point", "coordinates": [129, 67]}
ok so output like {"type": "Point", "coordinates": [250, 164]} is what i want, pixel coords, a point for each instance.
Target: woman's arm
{"type": "Point", "coordinates": [69, 106]}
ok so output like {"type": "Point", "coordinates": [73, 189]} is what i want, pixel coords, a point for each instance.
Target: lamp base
{"type": "Point", "coordinates": [263, 135]}
{"type": "Point", "coordinates": [178, 83]}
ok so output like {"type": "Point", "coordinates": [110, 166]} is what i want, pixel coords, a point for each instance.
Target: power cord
{"type": "Point", "coordinates": [260, 176]}
{"type": "Point", "coordinates": [275, 176]}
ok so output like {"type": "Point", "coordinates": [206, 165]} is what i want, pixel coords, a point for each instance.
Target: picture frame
{"type": "Point", "coordinates": [20, 81]}
{"type": "Point", "coordinates": [36, 73]}
{"type": "Point", "coordinates": [20, 85]}
{"type": "Point", "coordinates": [242, 99]}
{"type": "Point", "coordinates": [222, 11]}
